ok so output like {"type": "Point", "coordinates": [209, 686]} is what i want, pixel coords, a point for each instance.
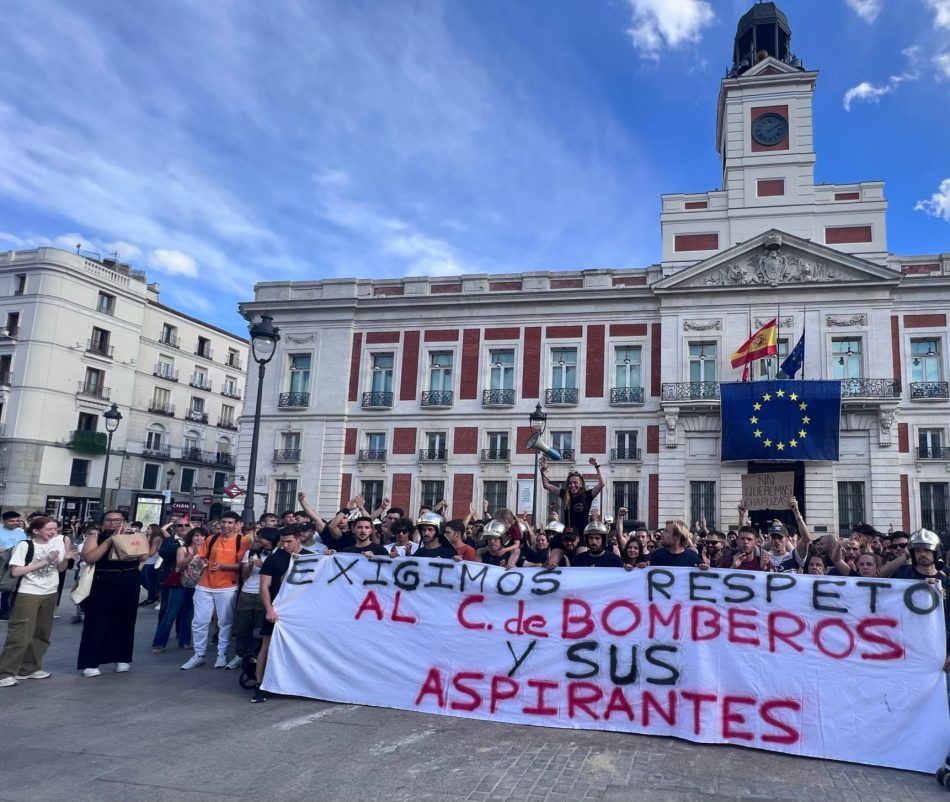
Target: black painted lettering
{"type": "Point", "coordinates": [660, 580]}
{"type": "Point", "coordinates": [742, 584]}
{"type": "Point", "coordinates": [573, 654]}
{"type": "Point", "coordinates": [701, 581]}
{"type": "Point", "coordinates": [818, 593]}
{"type": "Point", "coordinates": [378, 580]}
{"type": "Point", "coordinates": [615, 676]}
{"type": "Point", "coordinates": [873, 587]}
{"type": "Point", "coordinates": [342, 572]}
{"type": "Point", "coordinates": [545, 580]}
{"type": "Point", "coordinates": [654, 656]}
{"type": "Point", "coordinates": [912, 593]}
{"type": "Point", "coordinates": [299, 568]}
{"type": "Point", "coordinates": [514, 587]}
{"type": "Point", "coordinates": [440, 581]}
{"type": "Point", "coordinates": [519, 660]}
{"type": "Point", "coordinates": [477, 576]}
{"type": "Point", "coordinates": [776, 583]}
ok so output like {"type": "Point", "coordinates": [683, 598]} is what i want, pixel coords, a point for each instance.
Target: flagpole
{"type": "Point", "coordinates": [778, 336]}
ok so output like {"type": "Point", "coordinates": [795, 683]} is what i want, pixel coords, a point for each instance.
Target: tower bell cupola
{"type": "Point", "coordinates": [762, 31]}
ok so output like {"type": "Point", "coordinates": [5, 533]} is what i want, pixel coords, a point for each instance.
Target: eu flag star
{"type": "Point", "coordinates": [767, 397]}
{"type": "Point", "coordinates": [803, 406]}
{"type": "Point", "coordinates": [802, 433]}
{"type": "Point", "coordinates": [793, 443]}
{"type": "Point", "coordinates": [757, 432]}
{"type": "Point", "coordinates": [806, 420]}
{"type": "Point", "coordinates": [756, 406]}
{"type": "Point", "coordinates": [767, 443]}
{"type": "Point", "coordinates": [793, 397]}
{"type": "Point", "coordinates": [780, 446]}
{"type": "Point", "coordinates": [779, 393]}
{"type": "Point", "coordinates": [753, 419]}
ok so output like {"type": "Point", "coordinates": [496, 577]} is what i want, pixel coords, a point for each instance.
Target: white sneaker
{"type": "Point", "coordinates": [6, 682]}
{"type": "Point", "coordinates": [91, 672]}
{"type": "Point", "coordinates": [193, 662]}
{"type": "Point", "coordinates": [235, 662]}
{"type": "Point", "coordinates": [121, 668]}
{"type": "Point", "coordinates": [34, 675]}
{"type": "Point", "coordinates": [221, 662]}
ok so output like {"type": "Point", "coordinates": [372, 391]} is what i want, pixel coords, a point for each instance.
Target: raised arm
{"type": "Point", "coordinates": [804, 534]}
{"type": "Point", "coordinates": [545, 481]}
{"type": "Point", "coordinates": [310, 512]}
{"type": "Point", "coordinates": [595, 490]}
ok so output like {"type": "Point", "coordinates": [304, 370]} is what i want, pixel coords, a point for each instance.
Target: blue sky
{"type": "Point", "coordinates": [215, 144]}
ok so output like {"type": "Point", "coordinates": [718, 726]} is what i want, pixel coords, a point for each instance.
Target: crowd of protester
{"type": "Point", "coordinates": [214, 586]}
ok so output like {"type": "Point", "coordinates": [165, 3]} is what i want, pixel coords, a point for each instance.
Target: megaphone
{"type": "Point", "coordinates": [537, 443]}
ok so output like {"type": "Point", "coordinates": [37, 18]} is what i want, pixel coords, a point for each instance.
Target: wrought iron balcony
{"type": "Point", "coordinates": [286, 455]}
{"type": "Point", "coordinates": [197, 417]}
{"type": "Point", "coordinates": [377, 399]}
{"type": "Point", "coordinates": [171, 340]}
{"type": "Point", "coordinates": [432, 455]}
{"type": "Point", "coordinates": [870, 388]}
{"type": "Point", "coordinates": [228, 423]}
{"type": "Point", "coordinates": [234, 362]}
{"type": "Point", "coordinates": [208, 457]}
{"type": "Point", "coordinates": [625, 454]}
{"type": "Point", "coordinates": [161, 408]}
{"type": "Point", "coordinates": [934, 452]}
{"type": "Point", "coordinates": [690, 391]}
{"type": "Point", "coordinates": [626, 395]}
{"type": "Point", "coordinates": [92, 390]}
{"type": "Point", "coordinates": [225, 458]}
{"type": "Point", "coordinates": [162, 452]}
{"type": "Point", "coordinates": [920, 391]}
{"type": "Point", "coordinates": [438, 398]}
{"type": "Point", "coordinates": [89, 442]}
{"type": "Point", "coordinates": [498, 398]}
{"type": "Point", "coordinates": [163, 371]}
{"type": "Point", "coordinates": [231, 392]}
{"type": "Point", "coordinates": [495, 455]}
{"type": "Point", "coordinates": [99, 348]}
{"type": "Point", "coordinates": [560, 396]}
{"type": "Point", "coordinates": [200, 381]}
{"type": "Point", "coordinates": [293, 400]}
{"type": "Point", "coordinates": [372, 455]}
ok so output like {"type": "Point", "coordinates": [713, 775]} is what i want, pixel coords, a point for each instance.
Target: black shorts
{"type": "Point", "coordinates": [267, 628]}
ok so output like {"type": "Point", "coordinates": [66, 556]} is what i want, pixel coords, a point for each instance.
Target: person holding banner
{"type": "Point", "coordinates": [363, 540]}
{"type": "Point", "coordinates": [676, 549]}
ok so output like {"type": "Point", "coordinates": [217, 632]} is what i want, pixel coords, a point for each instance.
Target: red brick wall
{"type": "Point", "coordinates": [629, 281]}
{"type": "Point", "coordinates": [595, 361]}
{"type": "Point", "coordinates": [557, 332]}
{"type": "Point", "coordinates": [696, 242]}
{"type": "Point", "coordinates": [441, 336]}
{"type": "Point", "coordinates": [844, 196]}
{"type": "Point", "coordinates": [378, 337]}
{"type": "Point", "coordinates": [463, 488]}
{"type": "Point", "coordinates": [521, 437]}
{"type": "Point", "coordinates": [696, 205]}
{"type": "Point", "coordinates": [924, 321]}
{"type": "Point", "coordinates": [566, 283]}
{"type": "Point", "coordinates": [903, 438]}
{"type": "Point", "coordinates": [410, 367]}
{"type": "Point", "coordinates": [355, 366]}
{"type": "Point", "coordinates": [346, 489]}
{"type": "Point", "coordinates": [402, 492]}
{"type": "Point", "coordinates": [466, 440]}
{"type": "Point", "coordinates": [842, 235]}
{"type": "Point", "coordinates": [655, 346]}
{"type": "Point", "coordinates": [468, 384]}
{"type": "Point", "coordinates": [653, 439]}
{"type": "Point", "coordinates": [404, 440]}
{"type": "Point", "coordinates": [653, 500]}
{"type": "Point", "coordinates": [594, 440]}
{"type": "Point", "coordinates": [920, 270]}
{"type": "Point", "coordinates": [439, 289]}
{"type": "Point", "coordinates": [905, 502]}
{"type": "Point", "coordinates": [504, 286]}
{"type": "Point", "coordinates": [511, 333]}
{"type": "Point", "coordinates": [770, 187]}
{"type": "Point", "coordinates": [896, 348]}
{"type": "Point", "coordinates": [628, 329]}
{"type": "Point", "coordinates": [531, 364]}
{"type": "Point", "coordinates": [349, 444]}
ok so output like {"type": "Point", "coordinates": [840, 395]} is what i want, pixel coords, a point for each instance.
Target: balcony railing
{"type": "Point", "coordinates": [293, 400]}
{"type": "Point", "coordinates": [200, 381]}
{"type": "Point", "coordinates": [560, 396]}
{"type": "Point", "coordinates": [89, 442]}
{"type": "Point", "coordinates": [171, 340]}
{"type": "Point", "coordinates": [228, 423]}
{"type": "Point", "coordinates": [626, 395]}
{"type": "Point", "coordinates": [495, 454]}
{"type": "Point", "coordinates": [438, 398]}
{"type": "Point", "coordinates": [163, 371]}
{"type": "Point", "coordinates": [923, 390]}
{"type": "Point", "coordinates": [99, 348]}
{"type": "Point", "coordinates": [161, 408]}
{"type": "Point", "coordinates": [223, 458]}
{"type": "Point", "coordinates": [934, 452]}
{"type": "Point", "coordinates": [286, 455]}
{"type": "Point", "coordinates": [372, 455]}
{"type": "Point", "coordinates": [625, 454]}
{"type": "Point", "coordinates": [208, 457]}
{"type": "Point", "coordinates": [197, 417]}
{"type": "Point", "coordinates": [6, 378]}
{"type": "Point", "coordinates": [234, 363]}
{"type": "Point", "coordinates": [377, 400]}
{"type": "Point", "coordinates": [690, 391]}
{"type": "Point", "coordinates": [162, 452]}
{"type": "Point", "coordinates": [567, 454]}
{"type": "Point", "coordinates": [231, 392]}
{"type": "Point", "coordinates": [207, 353]}
{"type": "Point", "coordinates": [91, 390]}
{"type": "Point", "coordinates": [498, 398]}
{"type": "Point", "coordinates": [432, 455]}
{"type": "Point", "coordinates": [870, 388]}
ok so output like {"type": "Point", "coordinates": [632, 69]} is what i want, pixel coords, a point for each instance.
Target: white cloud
{"type": "Point", "coordinates": [939, 203]}
{"type": "Point", "coordinates": [670, 23]}
{"type": "Point", "coordinates": [941, 9]}
{"type": "Point", "coordinates": [866, 9]}
{"type": "Point", "coordinates": [942, 62]}
{"type": "Point", "coordinates": [873, 92]}
{"type": "Point", "coordinates": [175, 263]}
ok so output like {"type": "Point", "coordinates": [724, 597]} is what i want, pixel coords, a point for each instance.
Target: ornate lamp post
{"type": "Point", "coordinates": [112, 418]}
{"type": "Point", "coordinates": [264, 338]}
{"type": "Point", "coordinates": [538, 420]}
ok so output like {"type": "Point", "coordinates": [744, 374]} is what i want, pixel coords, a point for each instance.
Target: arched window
{"type": "Point", "coordinates": [156, 439]}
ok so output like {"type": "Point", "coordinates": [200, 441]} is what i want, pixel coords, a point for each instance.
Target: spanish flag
{"type": "Point", "coordinates": [761, 344]}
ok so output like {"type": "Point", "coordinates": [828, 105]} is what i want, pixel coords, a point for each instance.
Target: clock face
{"type": "Point", "coordinates": [770, 129]}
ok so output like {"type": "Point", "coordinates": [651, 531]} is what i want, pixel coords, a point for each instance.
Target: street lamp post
{"type": "Point", "coordinates": [112, 417]}
{"type": "Point", "coordinates": [264, 338]}
{"type": "Point", "coordinates": [538, 420]}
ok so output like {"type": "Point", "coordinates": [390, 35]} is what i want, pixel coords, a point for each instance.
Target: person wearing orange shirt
{"type": "Point", "coordinates": [217, 589]}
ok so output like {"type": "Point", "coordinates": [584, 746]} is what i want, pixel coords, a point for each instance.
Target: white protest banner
{"type": "Point", "coordinates": [768, 491]}
{"type": "Point", "coordinates": [831, 667]}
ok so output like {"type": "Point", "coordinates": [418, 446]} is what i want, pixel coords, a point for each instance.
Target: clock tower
{"type": "Point", "coordinates": [765, 141]}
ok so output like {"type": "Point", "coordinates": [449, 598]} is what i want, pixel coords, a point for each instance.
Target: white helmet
{"type": "Point", "coordinates": [429, 519]}
{"type": "Point", "coordinates": [496, 528]}
{"type": "Point", "coordinates": [924, 539]}
{"type": "Point", "coordinates": [555, 527]}
{"type": "Point", "coordinates": [595, 528]}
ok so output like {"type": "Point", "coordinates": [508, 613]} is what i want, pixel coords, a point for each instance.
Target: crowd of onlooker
{"type": "Point", "coordinates": [213, 586]}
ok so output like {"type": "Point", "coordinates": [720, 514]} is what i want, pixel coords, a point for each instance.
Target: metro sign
{"type": "Point", "coordinates": [233, 491]}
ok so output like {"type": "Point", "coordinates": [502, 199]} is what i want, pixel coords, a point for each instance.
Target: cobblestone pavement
{"type": "Point", "coordinates": [158, 733]}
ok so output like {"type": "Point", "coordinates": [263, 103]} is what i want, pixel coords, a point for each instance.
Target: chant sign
{"type": "Point", "coordinates": [832, 667]}
{"type": "Point", "coordinates": [768, 491]}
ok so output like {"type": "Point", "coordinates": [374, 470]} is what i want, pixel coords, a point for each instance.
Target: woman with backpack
{"type": "Point", "coordinates": [179, 608]}
{"type": "Point", "coordinates": [36, 564]}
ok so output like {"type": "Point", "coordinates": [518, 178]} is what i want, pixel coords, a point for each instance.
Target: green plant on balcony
{"type": "Point", "coordinates": [88, 442]}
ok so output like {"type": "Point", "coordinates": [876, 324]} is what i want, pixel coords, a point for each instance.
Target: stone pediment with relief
{"type": "Point", "coordinates": [776, 259]}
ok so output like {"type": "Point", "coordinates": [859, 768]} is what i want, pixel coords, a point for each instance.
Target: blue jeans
{"type": "Point", "coordinates": [178, 609]}
{"type": "Point", "coordinates": [5, 603]}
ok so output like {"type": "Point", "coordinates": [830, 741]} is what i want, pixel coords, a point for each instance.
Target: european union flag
{"type": "Point", "coordinates": [780, 420]}
{"type": "Point", "coordinates": [793, 362]}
